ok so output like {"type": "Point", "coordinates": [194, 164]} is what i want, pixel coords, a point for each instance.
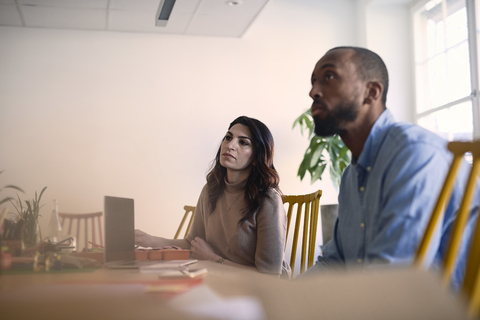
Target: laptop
{"type": "Point", "coordinates": [119, 252]}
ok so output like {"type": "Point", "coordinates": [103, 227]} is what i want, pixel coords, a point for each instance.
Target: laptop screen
{"type": "Point", "coordinates": [119, 229]}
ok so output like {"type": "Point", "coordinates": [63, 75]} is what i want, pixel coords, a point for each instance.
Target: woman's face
{"type": "Point", "coordinates": [236, 151]}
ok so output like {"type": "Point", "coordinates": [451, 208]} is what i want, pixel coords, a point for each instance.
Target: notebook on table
{"type": "Point", "coordinates": [168, 266]}
{"type": "Point", "coordinates": [120, 234]}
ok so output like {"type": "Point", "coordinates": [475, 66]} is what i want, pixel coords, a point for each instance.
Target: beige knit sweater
{"type": "Point", "coordinates": [257, 242]}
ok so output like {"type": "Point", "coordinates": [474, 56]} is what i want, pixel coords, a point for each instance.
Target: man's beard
{"type": "Point", "coordinates": [330, 125]}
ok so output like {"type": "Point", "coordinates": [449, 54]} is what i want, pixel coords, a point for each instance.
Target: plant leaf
{"type": "Point", "coordinates": [29, 207]}
{"type": "Point", "coordinates": [304, 121]}
{"type": "Point", "coordinates": [20, 203]}
{"type": "Point", "coordinates": [334, 178]}
{"type": "Point", "coordinates": [41, 193]}
{"type": "Point", "coordinates": [13, 187]}
{"type": "Point", "coordinates": [317, 174]}
{"type": "Point", "coordinates": [315, 159]}
{"type": "Point", "coordinates": [343, 153]}
{"type": "Point", "coordinates": [5, 200]}
{"type": "Point", "coordinates": [302, 169]}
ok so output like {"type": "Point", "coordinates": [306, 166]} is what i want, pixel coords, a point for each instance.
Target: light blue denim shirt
{"type": "Point", "coordinates": [386, 198]}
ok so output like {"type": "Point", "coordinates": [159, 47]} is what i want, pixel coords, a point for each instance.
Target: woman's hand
{"type": "Point", "coordinates": [143, 239]}
{"type": "Point", "coordinates": [202, 250]}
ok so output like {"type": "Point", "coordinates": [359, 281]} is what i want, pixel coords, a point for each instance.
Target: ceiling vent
{"type": "Point", "coordinates": [163, 13]}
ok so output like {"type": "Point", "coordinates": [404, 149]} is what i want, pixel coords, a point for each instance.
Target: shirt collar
{"type": "Point", "coordinates": [375, 139]}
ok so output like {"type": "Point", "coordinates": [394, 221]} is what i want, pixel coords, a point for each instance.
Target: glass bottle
{"type": "Point", "coordinates": [55, 228]}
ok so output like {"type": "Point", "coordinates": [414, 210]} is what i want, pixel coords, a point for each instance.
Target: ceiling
{"type": "Point", "coordinates": [391, 2]}
{"type": "Point", "coordinates": [221, 18]}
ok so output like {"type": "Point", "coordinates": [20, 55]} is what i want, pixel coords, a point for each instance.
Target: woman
{"type": "Point", "coordinates": [239, 219]}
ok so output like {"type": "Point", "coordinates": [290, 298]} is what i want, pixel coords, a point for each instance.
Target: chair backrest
{"type": "Point", "coordinates": [82, 219]}
{"type": "Point", "coordinates": [189, 211]}
{"type": "Point", "coordinates": [307, 207]}
{"type": "Point", "coordinates": [471, 284]}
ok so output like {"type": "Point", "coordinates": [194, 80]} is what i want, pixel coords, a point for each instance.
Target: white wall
{"type": "Point", "coordinates": [389, 34]}
{"type": "Point", "coordinates": [90, 114]}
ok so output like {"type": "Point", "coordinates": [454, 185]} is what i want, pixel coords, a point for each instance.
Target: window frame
{"type": "Point", "coordinates": [474, 96]}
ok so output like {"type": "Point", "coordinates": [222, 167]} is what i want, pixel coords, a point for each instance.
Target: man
{"type": "Point", "coordinates": [388, 191]}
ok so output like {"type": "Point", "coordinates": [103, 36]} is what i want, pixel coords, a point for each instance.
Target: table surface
{"type": "Point", "coordinates": [227, 293]}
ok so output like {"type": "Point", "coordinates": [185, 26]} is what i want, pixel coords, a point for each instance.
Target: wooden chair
{"type": "Point", "coordinates": [471, 285]}
{"type": "Point", "coordinates": [189, 211]}
{"type": "Point", "coordinates": [82, 219]}
{"type": "Point", "coordinates": [307, 206]}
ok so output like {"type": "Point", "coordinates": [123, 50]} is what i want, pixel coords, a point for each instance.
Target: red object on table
{"type": "Point", "coordinates": [5, 260]}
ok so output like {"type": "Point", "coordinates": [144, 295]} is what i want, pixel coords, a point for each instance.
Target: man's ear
{"type": "Point", "coordinates": [374, 92]}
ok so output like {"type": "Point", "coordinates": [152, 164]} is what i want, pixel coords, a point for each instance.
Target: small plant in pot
{"type": "Point", "coordinates": [30, 212]}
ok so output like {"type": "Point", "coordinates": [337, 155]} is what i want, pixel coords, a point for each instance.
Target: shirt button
{"type": "Point", "coordinates": [369, 168]}
{"type": "Point", "coordinates": [362, 188]}
{"type": "Point", "coordinates": [362, 225]}
{"type": "Point", "coordinates": [359, 260]}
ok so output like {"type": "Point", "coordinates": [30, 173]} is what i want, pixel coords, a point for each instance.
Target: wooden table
{"type": "Point", "coordinates": [121, 294]}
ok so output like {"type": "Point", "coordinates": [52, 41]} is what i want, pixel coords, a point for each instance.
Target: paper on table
{"type": "Point", "coordinates": [166, 264]}
{"type": "Point", "coordinates": [181, 273]}
{"type": "Point", "coordinates": [202, 301]}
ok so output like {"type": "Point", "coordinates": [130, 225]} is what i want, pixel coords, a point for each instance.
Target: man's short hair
{"type": "Point", "coordinates": [370, 67]}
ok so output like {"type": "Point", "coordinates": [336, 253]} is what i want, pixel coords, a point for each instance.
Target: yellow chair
{"type": "Point", "coordinates": [471, 285]}
{"type": "Point", "coordinates": [189, 211]}
{"type": "Point", "coordinates": [82, 219]}
{"type": "Point", "coordinates": [307, 207]}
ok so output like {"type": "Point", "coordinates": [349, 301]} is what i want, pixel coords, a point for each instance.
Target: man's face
{"type": "Point", "coordinates": [336, 93]}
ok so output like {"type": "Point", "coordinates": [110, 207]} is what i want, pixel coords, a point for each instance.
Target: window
{"type": "Point", "coordinates": [446, 68]}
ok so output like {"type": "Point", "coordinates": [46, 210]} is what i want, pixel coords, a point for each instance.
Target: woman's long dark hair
{"type": "Point", "coordinates": [263, 177]}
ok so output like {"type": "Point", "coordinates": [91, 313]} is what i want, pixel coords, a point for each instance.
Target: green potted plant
{"type": "Point", "coordinates": [321, 153]}
{"type": "Point", "coordinates": [30, 214]}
